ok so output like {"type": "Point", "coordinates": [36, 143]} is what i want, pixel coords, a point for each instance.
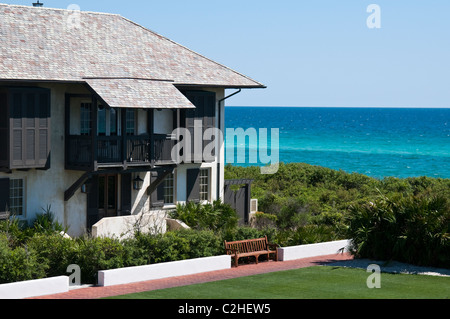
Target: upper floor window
{"type": "Point", "coordinates": [130, 125]}
{"type": "Point", "coordinates": [108, 121]}
{"type": "Point", "coordinates": [86, 118]}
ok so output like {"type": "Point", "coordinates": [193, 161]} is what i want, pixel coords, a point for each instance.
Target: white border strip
{"type": "Point", "coordinates": [34, 288]}
{"type": "Point", "coordinates": [163, 270]}
{"type": "Point", "coordinates": [312, 250]}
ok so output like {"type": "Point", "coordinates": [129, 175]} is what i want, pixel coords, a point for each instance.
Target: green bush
{"type": "Point", "coordinates": [216, 216]}
{"type": "Point", "coordinates": [19, 263]}
{"type": "Point", "coordinates": [55, 251]}
{"type": "Point", "coordinates": [178, 245]}
{"type": "Point", "coordinates": [96, 254]}
{"type": "Point", "coordinates": [412, 229]}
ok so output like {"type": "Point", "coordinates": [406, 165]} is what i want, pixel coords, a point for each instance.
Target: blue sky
{"type": "Point", "coordinates": [309, 53]}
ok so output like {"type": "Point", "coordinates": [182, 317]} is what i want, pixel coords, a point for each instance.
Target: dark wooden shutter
{"type": "Point", "coordinates": [193, 185]}
{"type": "Point", "coordinates": [4, 196]}
{"type": "Point", "coordinates": [205, 111]}
{"type": "Point", "coordinates": [92, 216]}
{"type": "Point", "coordinates": [157, 197]}
{"type": "Point", "coordinates": [4, 131]}
{"type": "Point", "coordinates": [126, 194]}
{"type": "Point", "coordinates": [209, 118]}
{"type": "Point", "coordinates": [43, 128]}
{"type": "Point", "coordinates": [16, 126]}
{"type": "Point", "coordinates": [29, 128]}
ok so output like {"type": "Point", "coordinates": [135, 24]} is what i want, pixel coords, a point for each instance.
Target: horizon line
{"type": "Point", "coordinates": [355, 107]}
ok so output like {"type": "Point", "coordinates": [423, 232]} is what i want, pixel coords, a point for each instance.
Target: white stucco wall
{"type": "Point", "coordinates": [43, 188]}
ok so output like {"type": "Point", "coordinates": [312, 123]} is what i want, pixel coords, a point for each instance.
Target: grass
{"type": "Point", "coordinates": [324, 282]}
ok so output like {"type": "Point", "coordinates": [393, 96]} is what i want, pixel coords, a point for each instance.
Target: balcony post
{"type": "Point", "coordinates": [66, 129]}
{"type": "Point", "coordinates": [150, 130]}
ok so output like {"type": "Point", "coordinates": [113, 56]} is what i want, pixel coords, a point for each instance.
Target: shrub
{"type": "Point", "coordinates": [46, 223]}
{"type": "Point", "coordinates": [216, 216]}
{"type": "Point", "coordinates": [19, 263]}
{"type": "Point", "coordinates": [412, 229]}
{"type": "Point", "coordinates": [262, 220]}
{"type": "Point", "coordinates": [96, 254]}
{"type": "Point", "coordinates": [55, 251]}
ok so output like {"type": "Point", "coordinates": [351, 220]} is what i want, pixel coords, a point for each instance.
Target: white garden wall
{"type": "Point", "coordinates": [312, 250]}
{"type": "Point", "coordinates": [34, 288]}
{"type": "Point", "coordinates": [163, 270]}
{"type": "Point", "coordinates": [124, 226]}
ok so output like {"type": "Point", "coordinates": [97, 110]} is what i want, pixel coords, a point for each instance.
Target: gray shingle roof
{"type": "Point", "coordinates": [139, 93]}
{"type": "Point", "coordinates": [63, 45]}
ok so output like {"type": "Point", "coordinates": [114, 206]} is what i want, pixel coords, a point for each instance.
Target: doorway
{"type": "Point", "coordinates": [107, 196]}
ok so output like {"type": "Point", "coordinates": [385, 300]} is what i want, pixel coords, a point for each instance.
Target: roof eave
{"type": "Point", "coordinates": [190, 85]}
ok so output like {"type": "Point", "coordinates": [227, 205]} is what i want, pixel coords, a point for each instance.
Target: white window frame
{"type": "Point", "coordinates": [205, 196]}
{"type": "Point", "coordinates": [13, 198]}
{"type": "Point", "coordinates": [171, 177]}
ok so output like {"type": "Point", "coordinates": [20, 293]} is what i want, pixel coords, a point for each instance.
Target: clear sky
{"type": "Point", "coordinates": [309, 53]}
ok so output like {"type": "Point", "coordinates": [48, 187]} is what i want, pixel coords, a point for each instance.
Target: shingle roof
{"type": "Point", "coordinates": [62, 45]}
{"type": "Point", "coordinates": [139, 93]}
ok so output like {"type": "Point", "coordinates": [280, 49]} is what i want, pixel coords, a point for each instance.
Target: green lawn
{"type": "Point", "coordinates": [322, 282]}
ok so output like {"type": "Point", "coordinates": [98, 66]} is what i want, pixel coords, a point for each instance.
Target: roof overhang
{"type": "Point", "coordinates": [139, 93]}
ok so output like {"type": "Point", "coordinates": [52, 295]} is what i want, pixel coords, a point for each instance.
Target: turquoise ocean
{"type": "Point", "coordinates": [378, 142]}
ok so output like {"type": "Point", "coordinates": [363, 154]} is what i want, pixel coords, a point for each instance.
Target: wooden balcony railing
{"type": "Point", "coordinates": [136, 150]}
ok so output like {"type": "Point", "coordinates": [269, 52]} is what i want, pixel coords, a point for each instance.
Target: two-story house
{"type": "Point", "coordinates": [88, 104]}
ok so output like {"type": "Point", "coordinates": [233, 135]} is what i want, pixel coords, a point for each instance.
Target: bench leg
{"type": "Point", "coordinates": [236, 260]}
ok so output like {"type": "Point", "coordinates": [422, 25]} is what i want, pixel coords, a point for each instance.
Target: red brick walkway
{"type": "Point", "coordinates": [241, 271]}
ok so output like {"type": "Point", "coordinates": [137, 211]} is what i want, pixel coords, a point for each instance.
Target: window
{"type": "Point", "coordinates": [204, 184]}
{"type": "Point", "coordinates": [130, 124]}
{"type": "Point", "coordinates": [108, 121]}
{"type": "Point", "coordinates": [169, 189]}
{"type": "Point", "coordinates": [16, 197]}
{"type": "Point", "coordinates": [86, 119]}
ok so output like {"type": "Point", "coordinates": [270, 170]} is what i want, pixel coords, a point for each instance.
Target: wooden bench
{"type": "Point", "coordinates": [250, 247]}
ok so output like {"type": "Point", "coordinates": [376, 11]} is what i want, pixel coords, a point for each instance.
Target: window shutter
{"type": "Point", "coordinates": [4, 196]}
{"type": "Point", "coordinates": [209, 119]}
{"type": "Point", "coordinates": [92, 203]}
{"type": "Point", "coordinates": [157, 197]}
{"type": "Point", "coordinates": [43, 128]}
{"type": "Point", "coordinates": [126, 194]}
{"type": "Point", "coordinates": [4, 129]}
{"type": "Point", "coordinates": [205, 110]}
{"type": "Point", "coordinates": [193, 185]}
{"type": "Point", "coordinates": [16, 127]}
{"type": "Point", "coordinates": [29, 128]}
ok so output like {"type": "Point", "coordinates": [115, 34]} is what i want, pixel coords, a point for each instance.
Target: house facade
{"type": "Point", "coordinates": [88, 106]}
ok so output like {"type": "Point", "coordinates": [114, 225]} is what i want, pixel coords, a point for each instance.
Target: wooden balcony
{"type": "Point", "coordinates": [85, 152]}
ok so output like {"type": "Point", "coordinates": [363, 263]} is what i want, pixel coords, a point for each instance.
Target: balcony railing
{"type": "Point", "coordinates": [136, 150]}
{"type": "Point", "coordinates": [163, 145]}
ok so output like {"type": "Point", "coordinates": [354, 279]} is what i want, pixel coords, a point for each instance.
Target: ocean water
{"type": "Point", "coordinates": [379, 142]}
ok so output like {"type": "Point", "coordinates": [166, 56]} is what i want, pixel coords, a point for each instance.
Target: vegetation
{"type": "Point", "coordinates": [401, 219]}
{"type": "Point", "coordinates": [39, 250]}
{"type": "Point", "coordinates": [323, 282]}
